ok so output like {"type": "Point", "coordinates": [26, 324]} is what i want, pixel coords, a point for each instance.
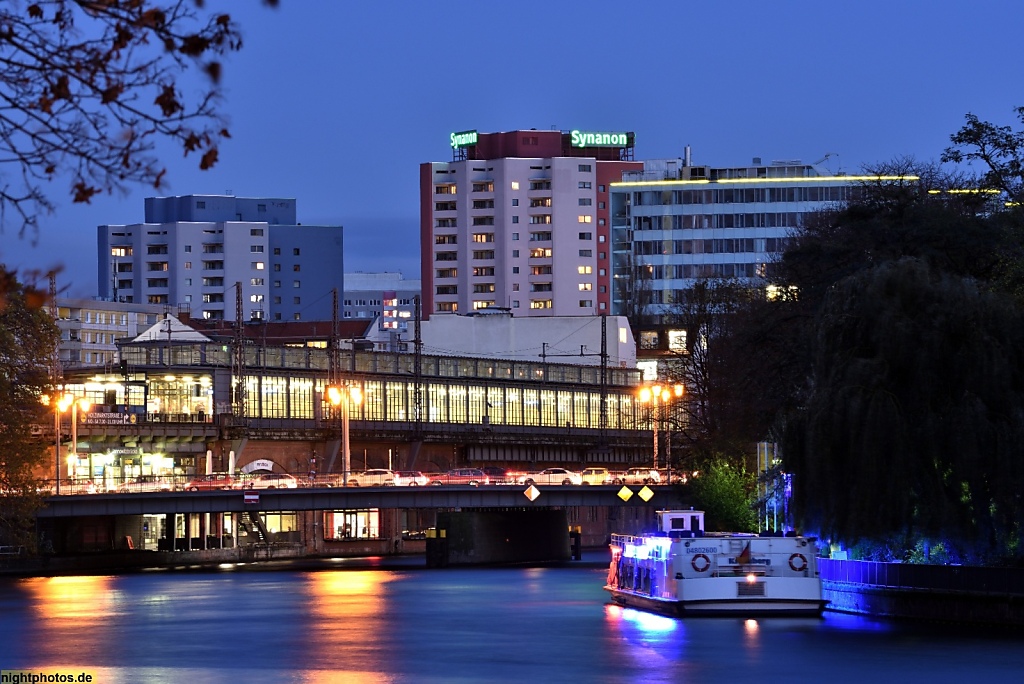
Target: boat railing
{"type": "Point", "coordinates": [624, 539]}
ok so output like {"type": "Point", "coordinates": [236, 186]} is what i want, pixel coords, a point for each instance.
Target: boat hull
{"type": "Point", "coordinates": [719, 607]}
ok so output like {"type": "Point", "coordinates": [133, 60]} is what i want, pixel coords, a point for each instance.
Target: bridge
{"type": "Point", "coordinates": [341, 498]}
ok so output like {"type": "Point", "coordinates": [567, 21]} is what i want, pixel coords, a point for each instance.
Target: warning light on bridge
{"type": "Point", "coordinates": [531, 493]}
{"type": "Point", "coordinates": [625, 493]}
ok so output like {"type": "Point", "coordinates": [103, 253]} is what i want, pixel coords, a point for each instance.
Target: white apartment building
{"type": "Point", "coordinates": [90, 328]}
{"type": "Point", "coordinates": [198, 251]}
{"type": "Point", "coordinates": [674, 223]}
{"type": "Point", "coordinates": [519, 221]}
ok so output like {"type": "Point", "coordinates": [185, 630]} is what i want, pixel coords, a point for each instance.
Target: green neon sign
{"type": "Point", "coordinates": [592, 139]}
{"type": "Point", "coordinates": [463, 139]}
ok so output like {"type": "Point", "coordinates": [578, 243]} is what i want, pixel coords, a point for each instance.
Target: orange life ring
{"type": "Point", "coordinates": [798, 562]}
{"type": "Point", "coordinates": [704, 566]}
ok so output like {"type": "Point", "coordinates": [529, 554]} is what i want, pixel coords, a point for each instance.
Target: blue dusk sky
{"type": "Point", "coordinates": [337, 103]}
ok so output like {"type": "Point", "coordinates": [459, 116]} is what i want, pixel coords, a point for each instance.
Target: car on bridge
{"type": "Point", "coordinates": [600, 476]}
{"type": "Point", "coordinates": [641, 476]}
{"type": "Point", "coordinates": [410, 478]}
{"type": "Point", "coordinates": [498, 475]}
{"type": "Point", "coordinates": [146, 483]}
{"type": "Point", "coordinates": [468, 476]}
{"type": "Point", "coordinates": [375, 477]}
{"type": "Point", "coordinates": [559, 476]}
{"type": "Point", "coordinates": [211, 482]}
{"type": "Point", "coordinates": [271, 481]}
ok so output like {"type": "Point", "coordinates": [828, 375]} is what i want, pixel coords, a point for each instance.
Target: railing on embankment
{"type": "Point", "coordinates": [955, 593]}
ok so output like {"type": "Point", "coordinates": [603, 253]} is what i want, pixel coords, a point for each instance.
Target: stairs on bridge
{"type": "Point", "coordinates": [259, 527]}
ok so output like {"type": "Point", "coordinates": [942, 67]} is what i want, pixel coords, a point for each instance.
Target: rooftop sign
{"type": "Point", "coordinates": [590, 139]}
{"type": "Point", "coordinates": [463, 139]}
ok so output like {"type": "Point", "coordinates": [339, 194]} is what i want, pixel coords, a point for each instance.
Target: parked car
{"type": "Point", "coordinates": [642, 476]}
{"type": "Point", "coordinates": [410, 478]}
{"type": "Point", "coordinates": [599, 476]}
{"type": "Point", "coordinates": [271, 481]}
{"type": "Point", "coordinates": [498, 475]}
{"type": "Point", "coordinates": [210, 482]}
{"type": "Point", "coordinates": [375, 477]}
{"type": "Point", "coordinates": [458, 476]}
{"type": "Point", "coordinates": [552, 476]}
{"type": "Point", "coordinates": [146, 483]}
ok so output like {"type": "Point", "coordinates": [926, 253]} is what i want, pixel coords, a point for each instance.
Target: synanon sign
{"type": "Point", "coordinates": [463, 139]}
{"type": "Point", "coordinates": [598, 139]}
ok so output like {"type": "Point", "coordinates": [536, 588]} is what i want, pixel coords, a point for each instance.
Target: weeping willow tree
{"type": "Point", "coordinates": [914, 425]}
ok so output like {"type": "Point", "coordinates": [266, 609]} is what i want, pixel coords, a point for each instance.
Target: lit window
{"type": "Point", "coordinates": [582, 270]}
{"type": "Point", "coordinates": [677, 340]}
{"type": "Point", "coordinates": [515, 186]}
{"type": "Point", "coordinates": [585, 219]}
{"type": "Point", "coordinates": [586, 287]}
{"type": "Point", "coordinates": [258, 265]}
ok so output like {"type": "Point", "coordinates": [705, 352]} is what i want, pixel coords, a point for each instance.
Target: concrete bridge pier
{"type": "Point", "coordinates": [498, 537]}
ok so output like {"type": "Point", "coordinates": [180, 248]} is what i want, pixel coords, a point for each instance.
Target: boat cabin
{"type": "Point", "coordinates": [681, 523]}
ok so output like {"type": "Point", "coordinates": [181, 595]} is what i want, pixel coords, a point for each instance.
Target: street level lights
{"type": "Point", "coordinates": [655, 395]}
{"type": "Point", "coordinates": [342, 396]}
{"type": "Point", "coordinates": [60, 406]}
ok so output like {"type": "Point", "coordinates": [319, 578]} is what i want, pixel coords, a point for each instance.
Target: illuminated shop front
{"type": "Point", "coordinates": [353, 524]}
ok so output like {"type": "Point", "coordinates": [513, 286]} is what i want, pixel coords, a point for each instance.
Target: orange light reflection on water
{"type": "Point", "coordinates": [347, 613]}
{"type": "Point", "coordinates": [74, 602]}
{"type": "Point", "coordinates": [75, 615]}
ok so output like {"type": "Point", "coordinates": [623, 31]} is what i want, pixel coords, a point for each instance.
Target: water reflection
{"type": "Point", "coordinates": [390, 625]}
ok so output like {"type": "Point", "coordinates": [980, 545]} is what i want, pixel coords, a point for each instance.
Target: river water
{"type": "Point", "coordinates": [381, 621]}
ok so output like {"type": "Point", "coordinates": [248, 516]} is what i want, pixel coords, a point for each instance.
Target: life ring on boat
{"type": "Point", "coordinates": [702, 567]}
{"type": "Point", "coordinates": [798, 562]}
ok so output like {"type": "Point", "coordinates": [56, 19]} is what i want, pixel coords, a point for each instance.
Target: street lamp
{"type": "Point", "coordinates": [342, 396]}
{"type": "Point", "coordinates": [655, 395]}
{"type": "Point", "coordinates": [60, 406]}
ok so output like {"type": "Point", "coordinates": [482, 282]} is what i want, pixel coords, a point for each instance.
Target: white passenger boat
{"type": "Point", "coordinates": [679, 570]}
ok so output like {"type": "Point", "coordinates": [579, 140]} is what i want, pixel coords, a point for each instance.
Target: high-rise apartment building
{"type": "Point", "coordinates": [193, 250]}
{"type": "Point", "coordinates": [520, 220]}
{"type": "Point", "coordinates": [674, 223]}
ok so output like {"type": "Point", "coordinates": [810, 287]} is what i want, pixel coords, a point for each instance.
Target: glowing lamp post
{"type": "Point", "coordinates": [342, 396]}
{"type": "Point", "coordinates": [655, 395]}
{"type": "Point", "coordinates": [60, 405]}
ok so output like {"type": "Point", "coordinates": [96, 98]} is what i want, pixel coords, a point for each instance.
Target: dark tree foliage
{"type": "Point", "coordinates": [999, 148]}
{"type": "Point", "coordinates": [90, 87]}
{"type": "Point", "coordinates": [915, 422]}
{"type": "Point", "coordinates": [723, 490]}
{"type": "Point", "coordinates": [890, 345]}
{"type": "Point", "coordinates": [27, 338]}
{"type": "Point", "coordinates": [713, 419]}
